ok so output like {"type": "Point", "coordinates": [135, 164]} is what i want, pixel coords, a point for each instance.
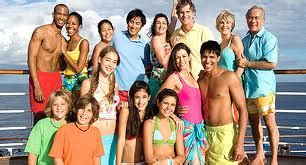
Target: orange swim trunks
{"type": "Point", "coordinates": [49, 82]}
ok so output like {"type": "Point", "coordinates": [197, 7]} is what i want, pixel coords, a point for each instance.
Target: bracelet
{"type": "Point", "coordinates": [170, 161]}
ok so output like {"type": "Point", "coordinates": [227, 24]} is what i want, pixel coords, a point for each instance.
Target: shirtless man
{"type": "Point", "coordinates": [44, 51]}
{"type": "Point", "coordinates": [219, 89]}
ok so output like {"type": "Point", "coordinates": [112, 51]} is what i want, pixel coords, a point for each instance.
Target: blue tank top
{"type": "Point", "coordinates": [228, 58]}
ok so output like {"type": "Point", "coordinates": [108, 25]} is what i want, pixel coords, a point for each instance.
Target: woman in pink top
{"type": "Point", "coordinates": [179, 79]}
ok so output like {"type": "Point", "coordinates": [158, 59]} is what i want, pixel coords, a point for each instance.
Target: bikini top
{"type": "Point", "coordinates": [158, 139]}
{"type": "Point", "coordinates": [107, 110]}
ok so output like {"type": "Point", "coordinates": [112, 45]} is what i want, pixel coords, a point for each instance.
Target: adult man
{"type": "Point", "coordinates": [190, 33]}
{"type": "Point", "coordinates": [134, 53]}
{"type": "Point", "coordinates": [260, 50]}
{"type": "Point", "coordinates": [219, 89]}
{"type": "Point", "coordinates": [44, 51]}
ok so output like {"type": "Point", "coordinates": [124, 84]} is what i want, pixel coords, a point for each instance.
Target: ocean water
{"type": "Point", "coordinates": [282, 102]}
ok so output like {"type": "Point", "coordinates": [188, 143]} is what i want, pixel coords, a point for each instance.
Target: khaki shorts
{"type": "Point", "coordinates": [261, 105]}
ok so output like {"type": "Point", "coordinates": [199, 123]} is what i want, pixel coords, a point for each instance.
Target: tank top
{"type": "Point", "coordinates": [228, 58]}
{"type": "Point", "coordinates": [191, 97]}
{"type": "Point", "coordinates": [107, 110]}
{"type": "Point", "coordinates": [74, 55]}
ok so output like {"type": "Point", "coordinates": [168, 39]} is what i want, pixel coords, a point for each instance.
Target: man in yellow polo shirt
{"type": "Point", "coordinates": [191, 33]}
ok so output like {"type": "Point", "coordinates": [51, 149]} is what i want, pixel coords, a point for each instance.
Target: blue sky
{"type": "Point", "coordinates": [284, 18]}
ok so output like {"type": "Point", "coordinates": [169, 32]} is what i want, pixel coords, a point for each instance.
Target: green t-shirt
{"type": "Point", "coordinates": [41, 139]}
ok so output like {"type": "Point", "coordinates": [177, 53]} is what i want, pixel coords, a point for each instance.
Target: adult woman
{"type": "Point", "coordinates": [231, 47]}
{"type": "Point", "coordinates": [231, 44]}
{"type": "Point", "coordinates": [130, 139]}
{"type": "Point", "coordinates": [102, 85]}
{"type": "Point", "coordinates": [106, 30]}
{"type": "Point", "coordinates": [162, 144]}
{"type": "Point", "coordinates": [75, 54]}
{"type": "Point", "coordinates": [160, 48]}
{"type": "Point", "coordinates": [180, 79]}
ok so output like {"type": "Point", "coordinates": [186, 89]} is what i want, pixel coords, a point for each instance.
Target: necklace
{"type": "Point", "coordinates": [81, 129]}
{"type": "Point", "coordinates": [53, 124]}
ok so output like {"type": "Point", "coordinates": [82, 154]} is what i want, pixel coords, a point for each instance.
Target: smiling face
{"type": "Point", "coordinates": [59, 108]}
{"type": "Point", "coordinates": [108, 63]}
{"type": "Point", "coordinates": [161, 26]}
{"type": "Point", "coordinates": [167, 106]}
{"type": "Point", "coordinates": [141, 99]}
{"type": "Point", "coordinates": [106, 31]}
{"type": "Point", "coordinates": [182, 60]}
{"type": "Point", "coordinates": [225, 26]}
{"type": "Point", "coordinates": [209, 60]}
{"type": "Point", "coordinates": [255, 20]}
{"type": "Point", "coordinates": [186, 15]}
{"type": "Point", "coordinates": [72, 26]}
{"type": "Point", "coordinates": [84, 116]}
{"type": "Point", "coordinates": [134, 26]}
{"type": "Point", "coordinates": [60, 16]}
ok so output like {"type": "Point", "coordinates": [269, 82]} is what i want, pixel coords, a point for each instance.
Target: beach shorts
{"type": "Point", "coordinates": [74, 82]}
{"type": "Point", "coordinates": [221, 140]}
{"type": "Point", "coordinates": [195, 142]}
{"type": "Point", "coordinates": [49, 82]}
{"type": "Point", "coordinates": [109, 143]}
{"type": "Point", "coordinates": [261, 105]}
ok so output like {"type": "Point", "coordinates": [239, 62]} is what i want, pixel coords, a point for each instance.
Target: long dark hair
{"type": "Point", "coordinates": [152, 31]}
{"type": "Point", "coordinates": [95, 76]}
{"type": "Point", "coordinates": [160, 97]}
{"type": "Point", "coordinates": [172, 67]}
{"type": "Point", "coordinates": [134, 124]}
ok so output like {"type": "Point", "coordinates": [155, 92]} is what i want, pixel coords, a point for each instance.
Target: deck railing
{"type": "Point", "coordinates": [19, 143]}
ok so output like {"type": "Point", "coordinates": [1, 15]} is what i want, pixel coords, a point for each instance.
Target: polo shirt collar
{"type": "Point", "coordinates": [194, 28]}
{"type": "Point", "coordinates": [141, 40]}
{"type": "Point", "coordinates": [258, 34]}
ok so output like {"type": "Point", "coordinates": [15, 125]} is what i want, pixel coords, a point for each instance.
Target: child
{"type": "Point", "coordinates": [79, 142]}
{"type": "Point", "coordinates": [162, 144]}
{"type": "Point", "coordinates": [130, 140]}
{"type": "Point", "coordinates": [42, 134]}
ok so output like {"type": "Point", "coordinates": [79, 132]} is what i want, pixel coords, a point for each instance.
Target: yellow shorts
{"type": "Point", "coordinates": [261, 105]}
{"type": "Point", "coordinates": [221, 140]}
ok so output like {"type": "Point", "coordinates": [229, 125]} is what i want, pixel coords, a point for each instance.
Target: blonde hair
{"type": "Point", "coordinates": [64, 94]}
{"type": "Point", "coordinates": [227, 16]}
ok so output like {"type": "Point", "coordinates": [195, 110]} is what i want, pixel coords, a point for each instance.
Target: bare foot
{"type": "Point", "coordinates": [274, 162]}
{"type": "Point", "coordinates": [259, 160]}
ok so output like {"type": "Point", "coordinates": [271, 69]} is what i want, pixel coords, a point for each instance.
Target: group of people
{"type": "Point", "coordinates": [182, 99]}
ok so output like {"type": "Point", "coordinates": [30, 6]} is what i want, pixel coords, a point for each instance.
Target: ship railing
{"type": "Point", "coordinates": [19, 143]}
